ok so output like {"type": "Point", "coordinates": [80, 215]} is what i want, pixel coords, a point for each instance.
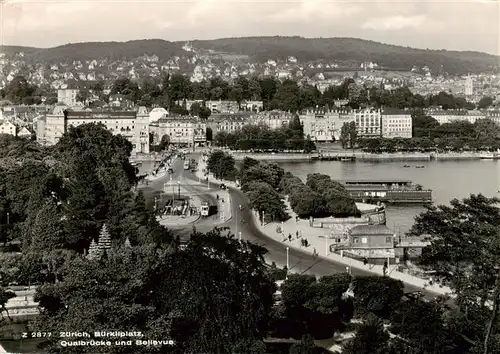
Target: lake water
{"type": "Point", "coordinates": [447, 179]}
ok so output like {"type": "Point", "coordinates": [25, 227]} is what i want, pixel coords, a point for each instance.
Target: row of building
{"type": "Point", "coordinates": [138, 125]}
{"type": "Point", "coordinates": [320, 125]}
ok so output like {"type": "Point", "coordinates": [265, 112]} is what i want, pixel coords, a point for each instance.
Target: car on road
{"type": "Point", "coordinates": [170, 171]}
{"type": "Point", "coordinates": [223, 186]}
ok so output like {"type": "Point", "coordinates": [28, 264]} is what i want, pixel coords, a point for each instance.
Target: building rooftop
{"type": "Point", "coordinates": [92, 114]}
{"type": "Point", "coordinates": [371, 230]}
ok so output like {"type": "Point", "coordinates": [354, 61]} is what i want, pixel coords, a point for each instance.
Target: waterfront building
{"type": "Point", "coordinates": [368, 122]}
{"type": "Point", "coordinates": [228, 123]}
{"type": "Point", "coordinates": [373, 242]}
{"type": "Point", "coordinates": [273, 119]}
{"type": "Point", "coordinates": [324, 125]}
{"type": "Point", "coordinates": [448, 116]}
{"type": "Point", "coordinates": [133, 125]}
{"type": "Point", "coordinates": [181, 130]}
{"type": "Point", "coordinates": [396, 125]}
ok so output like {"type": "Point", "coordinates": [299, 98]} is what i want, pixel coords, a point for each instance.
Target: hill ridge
{"type": "Point", "coordinates": [261, 48]}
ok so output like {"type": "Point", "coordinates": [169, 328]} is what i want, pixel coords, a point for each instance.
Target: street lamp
{"type": "Point", "coordinates": [287, 259]}
{"type": "Point", "coordinates": [179, 189]}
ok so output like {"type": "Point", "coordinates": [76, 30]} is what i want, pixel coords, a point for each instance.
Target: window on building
{"type": "Point", "coordinates": [388, 239]}
{"type": "Point", "coordinates": [364, 240]}
{"type": "Point", "coordinates": [355, 239]}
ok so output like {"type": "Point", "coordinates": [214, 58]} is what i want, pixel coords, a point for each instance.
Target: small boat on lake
{"type": "Point", "coordinates": [406, 166]}
{"type": "Point", "coordinates": [420, 166]}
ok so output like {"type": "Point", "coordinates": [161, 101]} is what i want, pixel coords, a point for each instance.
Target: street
{"type": "Point", "coordinates": [243, 221]}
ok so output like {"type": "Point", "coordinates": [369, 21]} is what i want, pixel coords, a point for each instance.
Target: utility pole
{"type": "Point", "coordinates": [173, 196]}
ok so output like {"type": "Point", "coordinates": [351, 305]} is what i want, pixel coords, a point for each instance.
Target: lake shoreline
{"type": "Point", "coordinates": [356, 156]}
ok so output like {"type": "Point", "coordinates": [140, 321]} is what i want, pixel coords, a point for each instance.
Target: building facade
{"type": "Point", "coordinates": [368, 122]}
{"type": "Point", "coordinates": [133, 125]}
{"type": "Point", "coordinates": [448, 116]}
{"type": "Point", "coordinates": [182, 131]}
{"type": "Point", "coordinates": [396, 126]}
{"type": "Point", "coordinates": [67, 97]}
{"type": "Point", "coordinates": [324, 126]}
{"type": "Point", "coordinates": [228, 123]}
{"type": "Point", "coordinates": [272, 119]}
{"type": "Point", "coordinates": [252, 106]}
{"type": "Point", "coordinates": [222, 106]}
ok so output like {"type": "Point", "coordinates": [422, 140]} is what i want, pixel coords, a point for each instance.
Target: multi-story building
{"type": "Point", "coordinates": [324, 126]}
{"type": "Point", "coordinates": [67, 97]}
{"type": "Point", "coordinates": [222, 106]}
{"type": "Point", "coordinates": [273, 119]}
{"type": "Point", "coordinates": [229, 123]}
{"type": "Point", "coordinates": [133, 125]}
{"type": "Point", "coordinates": [253, 106]}
{"type": "Point", "coordinates": [447, 116]}
{"type": "Point", "coordinates": [396, 125]}
{"type": "Point", "coordinates": [181, 130]}
{"type": "Point", "coordinates": [368, 122]}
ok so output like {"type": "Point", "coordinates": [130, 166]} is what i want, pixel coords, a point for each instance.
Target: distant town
{"type": "Point", "coordinates": [128, 97]}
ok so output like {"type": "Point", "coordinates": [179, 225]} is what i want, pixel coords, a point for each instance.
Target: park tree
{"type": "Point", "coordinates": [485, 102]}
{"type": "Point", "coordinates": [209, 134]}
{"type": "Point", "coordinates": [371, 338]}
{"type": "Point", "coordinates": [222, 165]}
{"type": "Point", "coordinates": [83, 96]}
{"type": "Point", "coordinates": [376, 295]}
{"type": "Point", "coordinates": [422, 325]}
{"type": "Point", "coordinates": [464, 250]}
{"type": "Point", "coordinates": [266, 200]}
{"type": "Point", "coordinates": [306, 346]}
{"type": "Point", "coordinates": [348, 135]}
{"type": "Point", "coordinates": [164, 142]}
{"type": "Point", "coordinates": [18, 89]}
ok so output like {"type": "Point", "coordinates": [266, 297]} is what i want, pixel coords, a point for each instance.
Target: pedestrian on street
{"type": "Point", "coordinates": [314, 251]}
{"type": "Point", "coordinates": [306, 243]}
{"type": "Point", "coordinates": [297, 233]}
{"type": "Point", "coordinates": [290, 237]}
{"type": "Point", "coordinates": [217, 197]}
{"type": "Point", "coordinates": [302, 242]}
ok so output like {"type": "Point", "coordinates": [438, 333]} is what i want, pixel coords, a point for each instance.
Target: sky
{"type": "Point", "coordinates": [434, 24]}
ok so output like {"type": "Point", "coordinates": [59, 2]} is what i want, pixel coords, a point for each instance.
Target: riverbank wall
{"type": "Point", "coordinates": [355, 156]}
{"type": "Point", "coordinates": [239, 156]}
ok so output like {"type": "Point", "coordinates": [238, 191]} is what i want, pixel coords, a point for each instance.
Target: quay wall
{"type": "Point", "coordinates": [358, 156]}
{"type": "Point", "coordinates": [239, 156]}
